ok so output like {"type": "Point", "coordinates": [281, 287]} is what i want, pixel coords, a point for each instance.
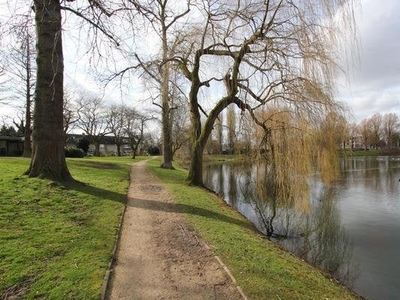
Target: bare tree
{"type": "Point", "coordinates": [179, 120]}
{"type": "Point", "coordinates": [19, 122]}
{"type": "Point", "coordinates": [354, 134]}
{"type": "Point", "coordinates": [20, 68]}
{"type": "Point", "coordinates": [391, 126]}
{"type": "Point", "coordinates": [164, 17]}
{"type": "Point", "coordinates": [3, 80]}
{"type": "Point", "coordinates": [246, 136]}
{"type": "Point", "coordinates": [118, 118]}
{"type": "Point", "coordinates": [93, 120]}
{"type": "Point", "coordinates": [134, 129]}
{"type": "Point", "coordinates": [231, 126]}
{"type": "Point", "coordinates": [276, 53]}
{"type": "Point", "coordinates": [365, 131]}
{"type": "Point", "coordinates": [27, 57]}
{"type": "Point", "coordinates": [220, 135]}
{"type": "Point", "coordinates": [8, 130]}
{"type": "Point", "coordinates": [48, 156]}
{"type": "Point", "coordinates": [376, 129]}
{"type": "Point", "coordinates": [70, 112]}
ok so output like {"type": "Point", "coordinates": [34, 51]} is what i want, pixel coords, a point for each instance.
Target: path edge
{"type": "Point", "coordinates": [106, 280]}
{"type": "Point", "coordinates": [107, 276]}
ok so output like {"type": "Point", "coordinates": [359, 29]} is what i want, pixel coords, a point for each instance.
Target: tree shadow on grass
{"type": "Point", "coordinates": [97, 192]}
{"type": "Point", "coordinates": [172, 207]}
{"type": "Point", "coordinates": [155, 205]}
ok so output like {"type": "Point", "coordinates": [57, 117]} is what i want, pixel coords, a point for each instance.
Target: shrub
{"type": "Point", "coordinates": [84, 145]}
{"type": "Point", "coordinates": [74, 152]}
{"type": "Point", "coordinates": [153, 150]}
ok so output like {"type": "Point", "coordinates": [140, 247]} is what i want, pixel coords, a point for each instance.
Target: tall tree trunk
{"type": "Point", "coordinates": [196, 165]}
{"type": "Point", "coordinates": [167, 140]}
{"type": "Point", "coordinates": [195, 176]}
{"type": "Point", "coordinates": [28, 102]}
{"type": "Point", "coordinates": [200, 135]}
{"type": "Point", "coordinates": [28, 130]}
{"type": "Point", "coordinates": [166, 113]}
{"type": "Point", "coordinates": [231, 124]}
{"type": "Point", "coordinates": [220, 136]}
{"type": "Point", "coordinates": [118, 143]}
{"type": "Point", "coordinates": [96, 149]}
{"type": "Point", "coordinates": [48, 157]}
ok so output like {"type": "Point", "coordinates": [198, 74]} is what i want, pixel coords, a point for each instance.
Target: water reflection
{"type": "Point", "coordinates": [377, 173]}
{"type": "Point", "coordinates": [350, 228]}
{"type": "Point", "coordinates": [314, 234]}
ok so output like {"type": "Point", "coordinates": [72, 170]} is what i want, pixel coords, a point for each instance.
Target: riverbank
{"type": "Point", "coordinates": [56, 241]}
{"type": "Point", "coordinates": [262, 269]}
{"type": "Point", "coordinates": [215, 158]}
{"type": "Point", "coordinates": [380, 152]}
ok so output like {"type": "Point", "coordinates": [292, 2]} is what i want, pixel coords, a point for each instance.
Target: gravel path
{"type": "Point", "coordinates": [158, 255]}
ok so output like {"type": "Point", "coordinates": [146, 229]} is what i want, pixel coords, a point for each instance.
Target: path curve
{"type": "Point", "coordinates": [158, 255]}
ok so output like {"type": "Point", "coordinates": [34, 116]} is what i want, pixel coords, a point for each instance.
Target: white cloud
{"type": "Point", "coordinates": [375, 84]}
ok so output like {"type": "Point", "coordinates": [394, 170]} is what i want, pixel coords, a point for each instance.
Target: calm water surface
{"type": "Point", "coordinates": [350, 229]}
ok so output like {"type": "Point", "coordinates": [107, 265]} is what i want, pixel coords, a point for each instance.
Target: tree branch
{"type": "Point", "coordinates": [92, 23]}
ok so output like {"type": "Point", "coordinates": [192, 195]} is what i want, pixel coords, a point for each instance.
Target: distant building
{"type": "Point", "coordinates": [11, 146]}
{"type": "Point", "coordinates": [107, 144]}
{"type": "Point", "coordinates": [14, 146]}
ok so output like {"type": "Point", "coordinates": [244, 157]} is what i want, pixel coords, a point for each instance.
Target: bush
{"type": "Point", "coordinates": [74, 152]}
{"type": "Point", "coordinates": [84, 145]}
{"type": "Point", "coordinates": [153, 150]}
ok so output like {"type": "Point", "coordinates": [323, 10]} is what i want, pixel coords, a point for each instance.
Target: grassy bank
{"type": "Point", "coordinates": [223, 158]}
{"type": "Point", "coordinates": [56, 242]}
{"type": "Point", "coordinates": [262, 269]}
{"type": "Point", "coordinates": [380, 152]}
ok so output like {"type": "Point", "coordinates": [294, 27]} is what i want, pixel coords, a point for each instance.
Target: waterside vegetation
{"type": "Point", "coordinates": [262, 269]}
{"type": "Point", "coordinates": [56, 241]}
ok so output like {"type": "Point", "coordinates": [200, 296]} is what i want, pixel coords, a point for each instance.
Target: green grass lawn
{"type": "Point", "coordinates": [55, 241]}
{"type": "Point", "coordinates": [262, 269]}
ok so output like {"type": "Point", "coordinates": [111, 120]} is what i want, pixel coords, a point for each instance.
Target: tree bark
{"type": "Point", "coordinates": [48, 157]}
{"type": "Point", "coordinates": [96, 148]}
{"type": "Point", "coordinates": [166, 113]}
{"type": "Point", "coordinates": [28, 129]}
{"type": "Point", "coordinates": [118, 143]}
{"type": "Point", "coordinates": [28, 102]}
{"type": "Point", "coordinates": [195, 176]}
{"type": "Point", "coordinates": [167, 140]}
{"type": "Point", "coordinates": [200, 135]}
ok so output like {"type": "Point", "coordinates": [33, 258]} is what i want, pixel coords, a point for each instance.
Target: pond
{"type": "Point", "coordinates": [350, 229]}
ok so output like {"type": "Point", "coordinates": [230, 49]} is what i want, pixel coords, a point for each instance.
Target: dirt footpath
{"type": "Point", "coordinates": [158, 255]}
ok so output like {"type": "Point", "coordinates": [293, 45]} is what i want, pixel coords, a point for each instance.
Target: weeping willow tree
{"type": "Point", "coordinates": [293, 148]}
{"type": "Point", "coordinates": [275, 54]}
{"type": "Point", "coordinates": [287, 151]}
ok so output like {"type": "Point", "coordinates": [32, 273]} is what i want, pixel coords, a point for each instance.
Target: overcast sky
{"type": "Point", "coordinates": [373, 84]}
{"type": "Point", "coordinates": [375, 81]}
